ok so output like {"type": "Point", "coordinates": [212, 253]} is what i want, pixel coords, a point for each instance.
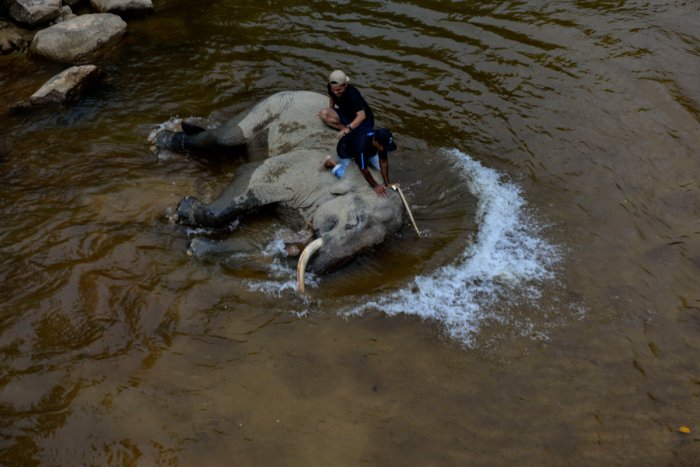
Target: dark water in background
{"type": "Point", "coordinates": [116, 348]}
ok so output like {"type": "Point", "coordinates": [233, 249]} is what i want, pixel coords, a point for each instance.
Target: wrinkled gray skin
{"type": "Point", "coordinates": [285, 131]}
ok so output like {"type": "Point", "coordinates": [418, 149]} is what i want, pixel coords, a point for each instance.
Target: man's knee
{"type": "Point", "coordinates": [328, 115]}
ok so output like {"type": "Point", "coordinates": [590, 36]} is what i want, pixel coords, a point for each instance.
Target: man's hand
{"type": "Point", "coordinates": [380, 190]}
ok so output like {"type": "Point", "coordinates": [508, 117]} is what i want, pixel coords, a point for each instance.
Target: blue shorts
{"type": "Point", "coordinates": [341, 167]}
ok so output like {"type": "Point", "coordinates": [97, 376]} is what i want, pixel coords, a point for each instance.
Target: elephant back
{"type": "Point", "coordinates": [288, 120]}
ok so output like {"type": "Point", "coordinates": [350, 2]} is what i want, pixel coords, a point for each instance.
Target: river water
{"type": "Point", "coordinates": [550, 315]}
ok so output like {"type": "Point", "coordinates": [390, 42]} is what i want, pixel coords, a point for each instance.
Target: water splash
{"type": "Point", "coordinates": [282, 280]}
{"type": "Point", "coordinates": [508, 257]}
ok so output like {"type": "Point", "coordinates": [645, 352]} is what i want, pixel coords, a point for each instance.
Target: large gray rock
{"type": "Point", "coordinates": [79, 40]}
{"type": "Point", "coordinates": [33, 12]}
{"type": "Point", "coordinates": [122, 6]}
{"type": "Point", "coordinates": [290, 142]}
{"type": "Point", "coordinates": [67, 86]}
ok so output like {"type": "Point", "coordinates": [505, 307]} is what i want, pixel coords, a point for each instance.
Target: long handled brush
{"type": "Point", "coordinates": [397, 188]}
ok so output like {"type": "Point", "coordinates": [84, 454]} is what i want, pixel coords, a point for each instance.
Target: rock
{"type": "Point", "coordinates": [122, 6]}
{"type": "Point", "coordinates": [14, 38]}
{"type": "Point", "coordinates": [79, 40]}
{"type": "Point", "coordinates": [66, 13]}
{"type": "Point", "coordinates": [67, 86]}
{"type": "Point", "coordinates": [33, 12]}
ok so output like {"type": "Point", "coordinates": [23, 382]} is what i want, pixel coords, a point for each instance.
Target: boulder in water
{"type": "Point", "coordinates": [67, 86]}
{"type": "Point", "coordinates": [33, 12]}
{"type": "Point", "coordinates": [79, 40]}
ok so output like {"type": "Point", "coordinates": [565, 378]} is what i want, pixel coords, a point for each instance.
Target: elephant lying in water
{"type": "Point", "coordinates": [287, 143]}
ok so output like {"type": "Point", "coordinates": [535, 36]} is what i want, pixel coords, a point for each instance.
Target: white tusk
{"type": "Point", "coordinates": [397, 188]}
{"type": "Point", "coordinates": [308, 252]}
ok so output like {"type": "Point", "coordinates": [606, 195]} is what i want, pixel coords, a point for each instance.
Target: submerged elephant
{"type": "Point", "coordinates": [287, 143]}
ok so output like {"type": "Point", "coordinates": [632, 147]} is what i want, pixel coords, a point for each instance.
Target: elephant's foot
{"type": "Point", "coordinates": [191, 211]}
{"type": "Point", "coordinates": [174, 141]}
{"type": "Point", "coordinates": [191, 127]}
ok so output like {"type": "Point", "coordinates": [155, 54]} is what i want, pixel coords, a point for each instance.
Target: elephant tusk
{"type": "Point", "coordinates": [309, 250]}
{"type": "Point", "coordinates": [397, 188]}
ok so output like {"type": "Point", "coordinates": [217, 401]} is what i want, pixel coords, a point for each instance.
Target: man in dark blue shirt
{"type": "Point", "coordinates": [347, 109]}
{"type": "Point", "coordinates": [367, 149]}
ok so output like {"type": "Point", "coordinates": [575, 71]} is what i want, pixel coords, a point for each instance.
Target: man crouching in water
{"type": "Point", "coordinates": [365, 148]}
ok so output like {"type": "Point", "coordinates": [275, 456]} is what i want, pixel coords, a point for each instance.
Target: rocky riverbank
{"type": "Point", "coordinates": [51, 30]}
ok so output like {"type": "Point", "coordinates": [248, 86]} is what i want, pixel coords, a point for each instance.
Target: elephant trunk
{"type": "Point", "coordinates": [309, 251]}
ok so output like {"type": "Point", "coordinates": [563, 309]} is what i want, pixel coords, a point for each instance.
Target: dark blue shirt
{"type": "Point", "coordinates": [349, 104]}
{"type": "Point", "coordinates": [358, 146]}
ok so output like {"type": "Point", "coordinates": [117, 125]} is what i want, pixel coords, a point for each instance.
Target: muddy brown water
{"type": "Point", "coordinates": [117, 348]}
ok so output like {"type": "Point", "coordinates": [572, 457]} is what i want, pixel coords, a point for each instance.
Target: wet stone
{"type": "Point", "coordinates": [67, 86]}
{"type": "Point", "coordinates": [33, 12]}
{"type": "Point", "coordinates": [79, 40]}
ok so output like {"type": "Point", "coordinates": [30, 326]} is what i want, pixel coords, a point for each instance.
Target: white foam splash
{"type": "Point", "coordinates": [508, 256]}
{"type": "Point", "coordinates": [173, 123]}
{"type": "Point", "coordinates": [283, 279]}
{"type": "Point", "coordinates": [197, 231]}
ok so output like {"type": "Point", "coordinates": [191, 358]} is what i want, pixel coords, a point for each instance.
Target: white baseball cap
{"type": "Point", "coordinates": [338, 77]}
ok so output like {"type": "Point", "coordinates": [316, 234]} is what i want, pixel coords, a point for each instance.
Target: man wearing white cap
{"type": "Point", "coordinates": [348, 111]}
